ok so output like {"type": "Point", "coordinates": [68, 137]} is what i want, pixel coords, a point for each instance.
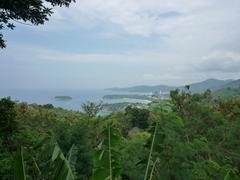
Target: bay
{"type": "Point", "coordinates": [47, 96]}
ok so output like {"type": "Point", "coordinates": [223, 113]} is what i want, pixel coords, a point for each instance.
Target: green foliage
{"type": "Point", "coordinates": [138, 117]}
{"type": "Point", "coordinates": [164, 149]}
{"type": "Point", "coordinates": [78, 134]}
{"type": "Point", "coordinates": [134, 152]}
{"type": "Point", "coordinates": [19, 167]}
{"type": "Point", "coordinates": [8, 115]}
{"type": "Point", "coordinates": [231, 175]}
{"type": "Point", "coordinates": [107, 157]}
{"type": "Point", "coordinates": [191, 136]}
{"type": "Point", "coordinates": [228, 92]}
{"type": "Point", "coordinates": [59, 167]}
{"type": "Point", "coordinates": [121, 122]}
{"type": "Point", "coordinates": [150, 160]}
{"type": "Point", "coordinates": [49, 106]}
{"type": "Point", "coordinates": [91, 109]}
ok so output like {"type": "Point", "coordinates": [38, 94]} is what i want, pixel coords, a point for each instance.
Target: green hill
{"type": "Point", "coordinates": [212, 84]}
{"type": "Point", "coordinates": [231, 89]}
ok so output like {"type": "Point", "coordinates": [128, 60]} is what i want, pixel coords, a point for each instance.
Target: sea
{"type": "Point", "coordinates": [79, 96]}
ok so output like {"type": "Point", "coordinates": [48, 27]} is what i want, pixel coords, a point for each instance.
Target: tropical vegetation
{"type": "Point", "coordinates": [190, 136]}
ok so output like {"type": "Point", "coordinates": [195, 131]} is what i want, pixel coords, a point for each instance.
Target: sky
{"type": "Point", "coordinates": [120, 43]}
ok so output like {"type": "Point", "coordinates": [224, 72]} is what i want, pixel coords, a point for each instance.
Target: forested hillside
{"type": "Point", "coordinates": [191, 136]}
{"type": "Point", "coordinates": [229, 90]}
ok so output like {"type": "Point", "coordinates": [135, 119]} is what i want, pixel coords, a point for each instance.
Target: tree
{"type": "Point", "coordinates": [34, 12]}
{"type": "Point", "coordinates": [91, 109]}
{"type": "Point", "coordinates": [139, 117]}
{"type": "Point", "coordinates": [8, 115]}
{"type": "Point", "coordinates": [77, 134]}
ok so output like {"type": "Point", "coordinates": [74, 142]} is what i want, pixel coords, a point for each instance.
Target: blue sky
{"type": "Point", "coordinates": [109, 43]}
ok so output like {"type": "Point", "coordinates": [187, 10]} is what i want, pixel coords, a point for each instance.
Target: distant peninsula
{"type": "Point", "coordinates": [199, 87]}
{"type": "Point", "coordinates": [63, 98]}
{"type": "Point", "coordinates": [130, 96]}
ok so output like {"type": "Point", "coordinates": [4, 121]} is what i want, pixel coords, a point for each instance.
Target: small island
{"type": "Point", "coordinates": [63, 98]}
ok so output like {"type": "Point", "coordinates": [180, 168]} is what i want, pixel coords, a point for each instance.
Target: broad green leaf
{"type": "Point", "coordinates": [19, 168]}
{"type": "Point", "coordinates": [62, 169]}
{"type": "Point", "coordinates": [231, 175]}
{"type": "Point", "coordinates": [106, 158]}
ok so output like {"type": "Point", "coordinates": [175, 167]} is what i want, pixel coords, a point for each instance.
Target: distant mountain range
{"type": "Point", "coordinates": [212, 84]}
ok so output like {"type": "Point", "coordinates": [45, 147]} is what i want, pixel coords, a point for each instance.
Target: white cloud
{"type": "Point", "coordinates": [220, 61]}
{"type": "Point", "coordinates": [189, 30]}
{"type": "Point", "coordinates": [148, 76]}
{"type": "Point", "coordinates": [188, 26]}
{"type": "Point", "coordinates": [135, 16]}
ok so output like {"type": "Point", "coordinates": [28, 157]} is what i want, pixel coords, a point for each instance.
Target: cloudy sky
{"type": "Point", "coordinates": [108, 43]}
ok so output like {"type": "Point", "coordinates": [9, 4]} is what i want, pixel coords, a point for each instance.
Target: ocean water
{"type": "Point", "coordinates": [47, 96]}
